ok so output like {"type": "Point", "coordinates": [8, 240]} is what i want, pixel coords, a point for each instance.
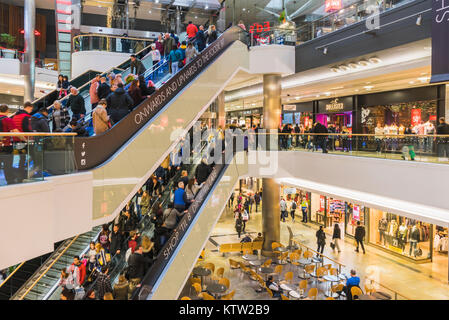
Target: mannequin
{"type": "Point", "coordinates": [414, 239]}
{"type": "Point", "coordinates": [383, 225]}
{"type": "Point", "coordinates": [402, 236]}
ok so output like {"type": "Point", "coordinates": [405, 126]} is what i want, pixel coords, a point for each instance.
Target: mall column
{"type": "Point", "coordinates": [221, 110]}
{"type": "Point", "coordinates": [28, 65]}
{"type": "Point", "coordinates": [271, 226]}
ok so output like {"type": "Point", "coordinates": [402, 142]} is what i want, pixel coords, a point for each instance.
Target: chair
{"type": "Point", "coordinates": [333, 272]}
{"type": "Point", "coordinates": [195, 280]}
{"type": "Point", "coordinates": [302, 288]}
{"type": "Point", "coordinates": [330, 298]}
{"type": "Point", "coordinates": [225, 282]}
{"type": "Point", "coordinates": [210, 266]}
{"type": "Point", "coordinates": [369, 289]}
{"type": "Point", "coordinates": [220, 272]}
{"type": "Point", "coordinates": [355, 292]}
{"type": "Point", "coordinates": [338, 288]}
{"type": "Point", "coordinates": [201, 258]}
{"type": "Point", "coordinates": [233, 264]}
{"type": "Point", "coordinates": [294, 257]}
{"type": "Point", "coordinates": [275, 245]}
{"type": "Point", "coordinates": [185, 298]}
{"type": "Point", "coordinates": [328, 266]}
{"type": "Point", "coordinates": [269, 291]}
{"type": "Point", "coordinates": [308, 270]}
{"type": "Point", "coordinates": [206, 296]}
{"type": "Point", "coordinates": [284, 297]}
{"type": "Point", "coordinates": [311, 295]}
{"type": "Point", "coordinates": [307, 256]}
{"type": "Point", "coordinates": [253, 275]}
{"type": "Point", "coordinates": [288, 277]}
{"type": "Point", "coordinates": [267, 263]}
{"type": "Point", "coordinates": [319, 273]}
{"type": "Point", "coordinates": [197, 288]}
{"type": "Point", "coordinates": [283, 257]}
{"type": "Point", "coordinates": [229, 296]}
{"type": "Point", "coordinates": [278, 270]}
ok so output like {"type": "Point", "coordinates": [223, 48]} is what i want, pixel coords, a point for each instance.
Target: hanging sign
{"type": "Point", "coordinates": [416, 117]}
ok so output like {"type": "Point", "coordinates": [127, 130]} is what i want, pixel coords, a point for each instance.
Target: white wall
{"type": "Point", "coordinates": [36, 215]}
{"type": "Point", "coordinates": [95, 60]}
{"type": "Point", "coordinates": [272, 59]}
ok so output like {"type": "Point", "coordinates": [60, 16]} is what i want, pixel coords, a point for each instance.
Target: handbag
{"type": "Point", "coordinates": [332, 245]}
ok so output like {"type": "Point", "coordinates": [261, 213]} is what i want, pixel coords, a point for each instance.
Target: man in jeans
{"type": "Point", "coordinates": [283, 206]}
{"type": "Point", "coordinates": [359, 235]}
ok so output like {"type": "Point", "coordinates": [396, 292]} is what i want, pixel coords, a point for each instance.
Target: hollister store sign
{"type": "Point", "coordinates": [335, 105]}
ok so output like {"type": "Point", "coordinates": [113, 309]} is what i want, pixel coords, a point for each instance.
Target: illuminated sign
{"type": "Point", "coordinates": [289, 107]}
{"type": "Point", "coordinates": [335, 105]}
{"type": "Point", "coordinates": [416, 117]}
{"type": "Point", "coordinates": [332, 5]}
{"type": "Point", "coordinates": [259, 28]}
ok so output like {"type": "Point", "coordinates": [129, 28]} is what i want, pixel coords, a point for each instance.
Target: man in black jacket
{"type": "Point", "coordinates": [103, 89]}
{"type": "Point", "coordinates": [116, 240]}
{"type": "Point", "coordinates": [443, 143]}
{"type": "Point", "coordinates": [119, 104]}
{"type": "Point", "coordinates": [320, 139]}
{"type": "Point", "coordinates": [76, 103]}
{"type": "Point", "coordinates": [137, 267]}
{"type": "Point", "coordinates": [200, 39]}
{"type": "Point", "coordinates": [359, 235]}
{"type": "Point", "coordinates": [136, 65]}
{"type": "Point", "coordinates": [202, 171]}
{"type": "Point", "coordinates": [39, 121]}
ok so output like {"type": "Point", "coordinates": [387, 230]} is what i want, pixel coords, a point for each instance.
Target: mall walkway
{"type": "Point", "coordinates": [414, 281]}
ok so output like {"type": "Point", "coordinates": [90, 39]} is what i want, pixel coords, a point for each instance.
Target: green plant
{"type": "Point", "coordinates": [8, 40]}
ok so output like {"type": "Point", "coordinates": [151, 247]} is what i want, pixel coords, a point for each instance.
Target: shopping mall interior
{"type": "Point", "coordinates": [224, 150]}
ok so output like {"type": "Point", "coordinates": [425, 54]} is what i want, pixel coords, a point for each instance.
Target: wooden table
{"type": "Point", "coordinates": [216, 289]}
{"type": "Point", "coordinates": [266, 271]}
{"type": "Point", "coordinates": [330, 279]}
{"type": "Point", "coordinates": [201, 272]}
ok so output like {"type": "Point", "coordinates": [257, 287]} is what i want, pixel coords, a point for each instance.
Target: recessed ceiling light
{"type": "Point", "coordinates": [297, 98]}
{"type": "Point", "coordinates": [374, 60]}
{"type": "Point", "coordinates": [353, 65]}
{"type": "Point", "coordinates": [363, 63]}
{"type": "Point", "coordinates": [149, 11]}
{"type": "Point", "coordinates": [327, 93]}
{"type": "Point", "coordinates": [368, 87]}
{"type": "Point", "coordinates": [317, 95]}
{"type": "Point", "coordinates": [334, 69]}
{"type": "Point", "coordinates": [424, 79]}
{"type": "Point", "coordinates": [343, 68]}
{"type": "Point", "coordinates": [356, 90]}
{"type": "Point", "coordinates": [411, 82]}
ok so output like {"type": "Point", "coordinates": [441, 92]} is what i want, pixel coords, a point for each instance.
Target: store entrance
{"type": "Point", "coordinates": [340, 120]}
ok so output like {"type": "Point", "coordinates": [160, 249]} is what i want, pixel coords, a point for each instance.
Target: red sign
{"type": "Point", "coordinates": [259, 28]}
{"type": "Point", "coordinates": [416, 117]}
{"type": "Point", "coordinates": [322, 201]}
{"type": "Point", "coordinates": [332, 5]}
{"type": "Point", "coordinates": [306, 122]}
{"type": "Point", "coordinates": [433, 118]}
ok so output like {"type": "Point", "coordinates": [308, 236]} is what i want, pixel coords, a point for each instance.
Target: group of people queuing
{"type": "Point", "coordinates": [289, 206]}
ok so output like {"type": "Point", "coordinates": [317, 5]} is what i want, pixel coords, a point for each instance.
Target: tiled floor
{"type": "Point", "coordinates": [414, 281]}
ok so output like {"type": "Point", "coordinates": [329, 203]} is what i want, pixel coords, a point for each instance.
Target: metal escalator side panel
{"type": "Point", "coordinates": [184, 257]}
{"type": "Point", "coordinates": [122, 175]}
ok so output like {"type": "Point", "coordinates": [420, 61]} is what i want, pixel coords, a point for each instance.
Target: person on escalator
{"type": "Point", "coordinates": [76, 127]}
{"type": "Point", "coordinates": [39, 121]}
{"type": "Point", "coordinates": [104, 90]}
{"type": "Point", "coordinates": [203, 171]}
{"type": "Point", "coordinates": [119, 104]}
{"type": "Point", "coordinates": [127, 223]}
{"type": "Point", "coordinates": [78, 271]}
{"type": "Point", "coordinates": [191, 31]}
{"type": "Point", "coordinates": [76, 104]}
{"type": "Point", "coordinates": [211, 34]}
{"type": "Point", "coordinates": [100, 118]}
{"type": "Point", "coordinates": [160, 44]}
{"type": "Point", "coordinates": [137, 66]}
{"type": "Point", "coordinates": [135, 93]}
{"type": "Point", "coordinates": [201, 39]}
{"type": "Point", "coordinates": [116, 241]}
{"type": "Point", "coordinates": [180, 198]}
{"type": "Point", "coordinates": [93, 91]}
{"type": "Point", "coordinates": [60, 116]}
{"type": "Point", "coordinates": [175, 57]}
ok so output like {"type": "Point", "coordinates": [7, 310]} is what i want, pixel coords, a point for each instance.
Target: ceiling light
{"type": "Point", "coordinates": [353, 65]}
{"type": "Point", "coordinates": [8, 91]}
{"type": "Point", "coordinates": [317, 95]}
{"type": "Point", "coordinates": [196, 17]}
{"type": "Point", "coordinates": [206, 7]}
{"type": "Point", "coordinates": [374, 60]}
{"type": "Point", "coordinates": [363, 63]}
{"type": "Point", "coordinates": [423, 79]}
{"type": "Point", "coordinates": [243, 9]}
{"type": "Point", "coordinates": [327, 94]}
{"type": "Point", "coordinates": [156, 1]}
{"type": "Point", "coordinates": [334, 69]}
{"type": "Point", "coordinates": [297, 98]}
{"type": "Point", "coordinates": [356, 90]}
{"type": "Point", "coordinates": [368, 87]}
{"type": "Point", "coordinates": [343, 68]}
{"type": "Point", "coordinates": [419, 20]}
{"type": "Point", "coordinates": [149, 11]}
{"type": "Point", "coordinates": [411, 82]}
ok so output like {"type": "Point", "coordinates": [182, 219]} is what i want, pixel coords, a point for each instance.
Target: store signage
{"type": "Point", "coordinates": [356, 212]}
{"type": "Point", "coordinates": [440, 45]}
{"type": "Point", "coordinates": [416, 117]}
{"type": "Point", "coordinates": [290, 191]}
{"type": "Point", "coordinates": [289, 107]}
{"type": "Point", "coordinates": [259, 28]}
{"type": "Point", "coordinates": [335, 105]}
{"type": "Point", "coordinates": [306, 122]}
{"type": "Point", "coordinates": [433, 118]}
{"type": "Point", "coordinates": [332, 5]}
{"type": "Point", "coordinates": [322, 203]}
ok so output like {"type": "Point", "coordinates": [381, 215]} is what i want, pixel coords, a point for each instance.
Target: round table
{"type": "Point", "coordinates": [201, 272]}
{"type": "Point", "coordinates": [294, 294]}
{"type": "Point", "coordinates": [266, 270]}
{"type": "Point", "coordinates": [250, 257]}
{"type": "Point", "coordinates": [366, 297]}
{"type": "Point", "coordinates": [280, 250]}
{"type": "Point", "coordinates": [330, 279]}
{"type": "Point", "coordinates": [381, 295]}
{"type": "Point", "coordinates": [342, 276]}
{"type": "Point", "coordinates": [256, 263]}
{"type": "Point", "coordinates": [216, 289]}
{"type": "Point", "coordinates": [286, 287]}
{"type": "Point", "coordinates": [304, 261]}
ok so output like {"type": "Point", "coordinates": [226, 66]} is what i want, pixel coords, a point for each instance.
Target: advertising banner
{"type": "Point", "coordinates": [440, 44]}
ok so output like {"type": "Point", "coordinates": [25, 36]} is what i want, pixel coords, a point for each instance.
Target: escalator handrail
{"type": "Point", "coordinates": [11, 274]}
{"type": "Point", "coordinates": [167, 251]}
{"type": "Point", "coordinates": [101, 147]}
{"type": "Point", "coordinates": [47, 269]}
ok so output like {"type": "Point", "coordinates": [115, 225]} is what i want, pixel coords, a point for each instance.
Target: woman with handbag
{"type": "Point", "coordinates": [336, 236]}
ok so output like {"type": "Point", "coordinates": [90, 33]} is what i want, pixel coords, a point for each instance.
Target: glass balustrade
{"type": "Point", "coordinates": [90, 42]}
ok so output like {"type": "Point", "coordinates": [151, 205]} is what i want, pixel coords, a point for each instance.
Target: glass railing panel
{"type": "Point", "coordinates": [110, 43]}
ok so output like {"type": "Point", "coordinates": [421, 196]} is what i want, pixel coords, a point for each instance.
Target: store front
{"type": "Point", "coordinates": [298, 114]}
{"type": "Point", "coordinates": [402, 236]}
{"type": "Point", "coordinates": [246, 118]}
{"type": "Point", "coordinates": [338, 111]}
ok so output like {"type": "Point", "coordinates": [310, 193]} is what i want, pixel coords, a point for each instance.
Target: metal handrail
{"type": "Point", "coordinates": [12, 273]}
{"type": "Point", "coordinates": [48, 268]}
{"type": "Point", "coordinates": [36, 134]}
{"type": "Point", "coordinates": [396, 294]}
{"type": "Point", "coordinates": [107, 36]}
{"type": "Point", "coordinates": [320, 254]}
{"type": "Point", "coordinates": [345, 135]}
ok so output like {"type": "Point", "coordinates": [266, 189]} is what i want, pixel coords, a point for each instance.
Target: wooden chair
{"type": "Point", "coordinates": [330, 298]}
{"type": "Point", "coordinates": [312, 294]}
{"type": "Point", "coordinates": [283, 257]}
{"type": "Point", "coordinates": [267, 263]}
{"type": "Point", "coordinates": [294, 257]}
{"type": "Point", "coordinates": [194, 280]}
{"type": "Point", "coordinates": [308, 270]}
{"type": "Point", "coordinates": [328, 266]}
{"type": "Point", "coordinates": [355, 292]}
{"type": "Point", "coordinates": [369, 289]}
{"type": "Point", "coordinates": [278, 271]}
{"type": "Point", "coordinates": [225, 282]}
{"type": "Point", "coordinates": [275, 245]}
{"type": "Point", "coordinates": [197, 288]}
{"type": "Point", "coordinates": [338, 288]}
{"type": "Point", "coordinates": [219, 273]}
{"type": "Point", "coordinates": [269, 291]}
{"type": "Point", "coordinates": [185, 298]}
{"type": "Point", "coordinates": [201, 257]}
{"type": "Point", "coordinates": [333, 272]}
{"type": "Point", "coordinates": [233, 264]}
{"type": "Point", "coordinates": [210, 266]}
{"type": "Point", "coordinates": [284, 297]}
{"type": "Point", "coordinates": [253, 275]}
{"type": "Point", "coordinates": [308, 256]}
{"type": "Point", "coordinates": [302, 288]}
{"type": "Point", "coordinates": [288, 277]}
{"type": "Point", "coordinates": [229, 296]}
{"type": "Point", "coordinates": [319, 274]}
{"type": "Point", "coordinates": [206, 296]}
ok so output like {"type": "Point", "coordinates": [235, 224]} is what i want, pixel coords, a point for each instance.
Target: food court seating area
{"type": "Point", "coordinates": [298, 270]}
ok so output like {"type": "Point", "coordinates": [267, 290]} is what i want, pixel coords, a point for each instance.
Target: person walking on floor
{"type": "Point", "coordinates": [245, 218]}
{"type": "Point", "coordinates": [283, 206]}
{"type": "Point", "coordinates": [304, 206]}
{"type": "Point", "coordinates": [238, 224]}
{"type": "Point", "coordinates": [359, 235]}
{"type": "Point", "coordinates": [336, 236]}
{"type": "Point", "coordinates": [321, 240]}
{"type": "Point", "coordinates": [293, 209]}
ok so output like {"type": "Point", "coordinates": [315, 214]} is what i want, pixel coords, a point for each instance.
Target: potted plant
{"type": "Point", "coordinates": [8, 41]}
